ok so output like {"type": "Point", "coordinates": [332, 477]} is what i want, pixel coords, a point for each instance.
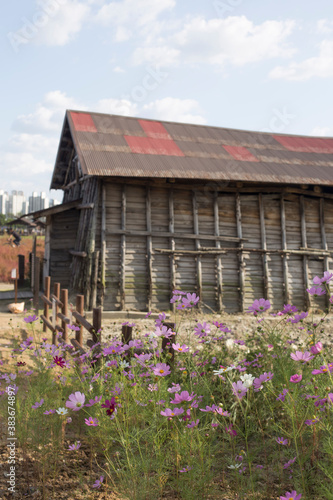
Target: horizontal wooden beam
{"type": "Point", "coordinates": [85, 206]}
{"type": "Point", "coordinates": [212, 251]}
{"type": "Point", "coordinates": [47, 323]}
{"type": "Point", "coordinates": [164, 234]}
{"type": "Point", "coordinates": [46, 300]}
{"type": "Point", "coordinates": [77, 253]}
{"type": "Point", "coordinates": [58, 302]}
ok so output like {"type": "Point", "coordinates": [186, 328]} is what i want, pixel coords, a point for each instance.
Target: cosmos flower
{"type": "Point", "coordinates": [76, 401]}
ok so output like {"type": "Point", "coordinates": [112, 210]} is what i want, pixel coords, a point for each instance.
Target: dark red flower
{"type": "Point", "coordinates": [110, 404]}
{"type": "Point", "coordinates": [59, 361]}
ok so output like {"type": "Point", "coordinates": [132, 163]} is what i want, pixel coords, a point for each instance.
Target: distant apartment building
{"type": "Point", "coordinates": [16, 203]}
{"type": "Point", "coordinates": [3, 201]}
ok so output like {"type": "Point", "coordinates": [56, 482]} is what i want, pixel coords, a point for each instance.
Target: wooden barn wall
{"type": "Point", "coordinates": [62, 239]}
{"type": "Point", "coordinates": [223, 256]}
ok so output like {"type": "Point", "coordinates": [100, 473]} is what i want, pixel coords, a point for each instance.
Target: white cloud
{"type": "Point", "coordinates": [172, 109]}
{"type": "Point", "coordinates": [322, 131]}
{"type": "Point", "coordinates": [129, 15]}
{"type": "Point", "coordinates": [324, 26]}
{"type": "Point", "coordinates": [62, 23]}
{"type": "Point", "coordinates": [116, 107]}
{"type": "Point", "coordinates": [234, 40]}
{"type": "Point", "coordinates": [320, 66]}
{"type": "Point", "coordinates": [118, 69]}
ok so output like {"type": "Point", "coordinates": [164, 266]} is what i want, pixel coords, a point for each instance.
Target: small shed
{"type": "Point", "coordinates": [152, 206]}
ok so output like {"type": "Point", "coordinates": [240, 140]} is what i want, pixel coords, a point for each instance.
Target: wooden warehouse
{"type": "Point", "coordinates": [150, 207]}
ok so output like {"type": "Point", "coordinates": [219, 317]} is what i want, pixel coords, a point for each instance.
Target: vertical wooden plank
{"type": "Point", "coordinates": [64, 310]}
{"type": "Point", "coordinates": [324, 242]}
{"type": "Point", "coordinates": [197, 247]}
{"type": "Point", "coordinates": [36, 282]}
{"type": "Point", "coordinates": [47, 289]}
{"type": "Point", "coordinates": [241, 256]}
{"type": "Point", "coordinates": [263, 245]}
{"type": "Point", "coordinates": [307, 299]}
{"type": "Point", "coordinates": [218, 258]}
{"type": "Point", "coordinates": [172, 247]}
{"type": "Point", "coordinates": [97, 323]}
{"type": "Point", "coordinates": [94, 280]}
{"type": "Point", "coordinates": [284, 256]}
{"type": "Point", "coordinates": [126, 334]}
{"type": "Point", "coordinates": [149, 250]}
{"type": "Point", "coordinates": [103, 242]}
{"type": "Point", "coordinates": [123, 248]}
{"type": "Point", "coordinates": [56, 293]}
{"type": "Point", "coordinates": [80, 309]}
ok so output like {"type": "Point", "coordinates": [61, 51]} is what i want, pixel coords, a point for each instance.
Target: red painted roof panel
{"type": "Point", "coordinates": [306, 144]}
{"type": "Point", "coordinates": [155, 130]}
{"type": "Point", "coordinates": [240, 153]}
{"type": "Point", "coordinates": [148, 145]}
{"type": "Point", "coordinates": [83, 122]}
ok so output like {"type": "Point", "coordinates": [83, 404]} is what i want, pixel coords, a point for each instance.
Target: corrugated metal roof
{"type": "Point", "coordinates": [109, 145]}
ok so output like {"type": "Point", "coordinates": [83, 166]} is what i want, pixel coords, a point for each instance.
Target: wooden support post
{"type": "Point", "coordinates": [149, 250]}
{"type": "Point", "coordinates": [56, 293]}
{"type": "Point", "coordinates": [103, 243]}
{"type": "Point", "coordinates": [197, 247]}
{"type": "Point", "coordinates": [21, 265]}
{"type": "Point", "coordinates": [241, 256]}
{"type": "Point", "coordinates": [173, 247]}
{"type": "Point", "coordinates": [97, 324]}
{"type": "Point", "coordinates": [123, 249]}
{"type": "Point", "coordinates": [64, 310]}
{"type": "Point", "coordinates": [305, 257]}
{"type": "Point", "coordinates": [47, 289]}
{"type": "Point", "coordinates": [79, 306]}
{"type": "Point", "coordinates": [263, 245]}
{"type": "Point", "coordinates": [324, 244]}
{"type": "Point", "coordinates": [218, 258]}
{"type": "Point", "coordinates": [126, 334]}
{"type": "Point", "coordinates": [36, 283]}
{"type": "Point", "coordinates": [93, 298]}
{"type": "Point", "coordinates": [167, 343]}
{"type": "Point", "coordinates": [284, 256]}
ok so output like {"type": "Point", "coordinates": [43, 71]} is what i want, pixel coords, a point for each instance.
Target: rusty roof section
{"type": "Point", "coordinates": [110, 145]}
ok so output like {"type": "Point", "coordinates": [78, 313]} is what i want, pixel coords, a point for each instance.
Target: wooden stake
{"type": "Point", "coordinates": [218, 258]}
{"type": "Point", "coordinates": [64, 310]}
{"type": "Point", "coordinates": [47, 289]}
{"type": "Point", "coordinates": [241, 256]}
{"type": "Point", "coordinates": [79, 306]}
{"type": "Point", "coordinates": [264, 245]}
{"type": "Point", "coordinates": [36, 282]}
{"type": "Point", "coordinates": [97, 324]}
{"type": "Point", "coordinates": [284, 247]}
{"type": "Point", "coordinates": [56, 293]}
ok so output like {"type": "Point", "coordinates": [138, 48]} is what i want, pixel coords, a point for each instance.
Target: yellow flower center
{"type": "Point", "coordinates": [161, 371]}
{"type": "Point", "coordinates": [180, 349]}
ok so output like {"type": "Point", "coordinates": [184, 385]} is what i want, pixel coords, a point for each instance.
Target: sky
{"type": "Point", "coordinates": [264, 65]}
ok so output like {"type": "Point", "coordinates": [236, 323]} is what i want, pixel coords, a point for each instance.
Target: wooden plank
{"type": "Point", "coordinates": [218, 259]}
{"type": "Point", "coordinates": [77, 253]}
{"type": "Point", "coordinates": [103, 242]}
{"type": "Point", "coordinates": [123, 248]}
{"type": "Point", "coordinates": [197, 246]}
{"type": "Point", "coordinates": [307, 299]}
{"type": "Point", "coordinates": [241, 255]}
{"type": "Point", "coordinates": [64, 310]}
{"type": "Point", "coordinates": [173, 247]}
{"type": "Point", "coordinates": [284, 257]}
{"type": "Point", "coordinates": [46, 298]}
{"type": "Point", "coordinates": [263, 245]}
{"type": "Point", "coordinates": [149, 249]}
{"type": "Point", "coordinates": [163, 234]}
{"type": "Point", "coordinates": [324, 244]}
{"type": "Point", "coordinates": [80, 309]}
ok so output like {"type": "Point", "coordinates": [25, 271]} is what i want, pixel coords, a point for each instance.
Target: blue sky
{"type": "Point", "coordinates": [247, 64]}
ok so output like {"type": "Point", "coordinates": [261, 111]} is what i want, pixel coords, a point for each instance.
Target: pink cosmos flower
{"type": "Point", "coordinates": [91, 421]}
{"type": "Point", "coordinates": [312, 421]}
{"type": "Point", "coordinates": [186, 469]}
{"type": "Point", "coordinates": [230, 430]}
{"type": "Point", "coordinates": [31, 319]}
{"type": "Point", "coordinates": [161, 370]}
{"type": "Point", "coordinates": [264, 377]}
{"type": "Point", "coordinates": [49, 412]}
{"type": "Point", "coordinates": [259, 306]}
{"type": "Point", "coordinates": [190, 300]}
{"type": "Point", "coordinates": [289, 309]}
{"type": "Point", "coordinates": [75, 446]}
{"type": "Point", "coordinates": [76, 401]}
{"type": "Point", "coordinates": [323, 369]}
{"type": "Point", "coordinates": [193, 424]}
{"type": "Point", "coordinates": [301, 356]}
{"type": "Point", "coordinates": [161, 319]}
{"type": "Point", "coordinates": [317, 348]}
{"type": "Point", "coordinates": [289, 463]}
{"type": "Point", "coordinates": [148, 314]}
{"type": "Point", "coordinates": [75, 328]}
{"type": "Point", "coordinates": [239, 389]}
{"type": "Point", "coordinates": [179, 348]}
{"type": "Point", "coordinates": [291, 496]}
{"type": "Point", "coordinates": [299, 317]}
{"type": "Point", "coordinates": [295, 378]}
{"type": "Point", "coordinates": [92, 402]}
{"type": "Point", "coordinates": [183, 396]}
{"type": "Point", "coordinates": [98, 482]}
{"type": "Point", "coordinates": [325, 279]}
{"type": "Point", "coordinates": [316, 291]}
{"type": "Point", "coordinates": [174, 388]}
{"type": "Point", "coordinates": [202, 329]}
{"type": "Point", "coordinates": [37, 404]}
{"type": "Point", "coordinates": [172, 413]}
{"type": "Point", "coordinates": [209, 408]}
{"type": "Point", "coordinates": [282, 441]}
{"type": "Point", "coordinates": [163, 331]}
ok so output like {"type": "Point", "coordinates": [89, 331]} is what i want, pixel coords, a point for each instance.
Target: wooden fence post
{"type": "Point", "coordinates": [80, 309]}
{"type": "Point", "coordinates": [47, 288]}
{"type": "Point", "coordinates": [64, 310]}
{"type": "Point", "coordinates": [21, 265]}
{"type": "Point", "coordinates": [126, 334]}
{"type": "Point", "coordinates": [36, 283]}
{"type": "Point", "coordinates": [97, 323]}
{"type": "Point", "coordinates": [56, 293]}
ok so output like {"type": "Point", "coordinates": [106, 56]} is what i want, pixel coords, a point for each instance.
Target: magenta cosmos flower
{"type": "Point", "coordinates": [325, 279]}
{"type": "Point", "coordinates": [281, 440]}
{"type": "Point", "coordinates": [75, 446]}
{"type": "Point", "coordinates": [76, 401]}
{"type": "Point", "coordinates": [259, 306]}
{"type": "Point", "coordinates": [91, 421]}
{"type": "Point", "coordinates": [295, 378]}
{"type": "Point", "coordinates": [202, 329]}
{"type": "Point", "coordinates": [316, 291]}
{"type": "Point", "coordinates": [301, 356]}
{"type": "Point", "coordinates": [161, 370]}
{"type": "Point", "coordinates": [180, 348]}
{"type": "Point", "coordinates": [183, 396]}
{"type": "Point", "coordinates": [239, 389]}
{"type": "Point", "coordinates": [58, 360]}
{"type": "Point", "coordinates": [110, 404]}
{"type": "Point", "coordinates": [98, 482]}
{"type": "Point", "coordinates": [190, 300]}
{"type": "Point", "coordinates": [317, 348]}
{"type": "Point", "coordinates": [289, 309]}
{"type": "Point", "coordinates": [172, 413]}
{"type": "Point", "coordinates": [37, 404]}
{"type": "Point", "coordinates": [291, 496]}
{"type": "Point", "coordinates": [31, 319]}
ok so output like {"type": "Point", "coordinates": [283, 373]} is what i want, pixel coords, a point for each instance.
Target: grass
{"type": "Point", "coordinates": [224, 420]}
{"type": "Point", "coordinates": [9, 255]}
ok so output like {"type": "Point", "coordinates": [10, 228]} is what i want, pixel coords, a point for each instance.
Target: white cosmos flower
{"type": "Point", "coordinates": [247, 379]}
{"type": "Point", "coordinates": [62, 411]}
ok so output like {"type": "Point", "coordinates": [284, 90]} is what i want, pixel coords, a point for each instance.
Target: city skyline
{"type": "Point", "coordinates": [16, 203]}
